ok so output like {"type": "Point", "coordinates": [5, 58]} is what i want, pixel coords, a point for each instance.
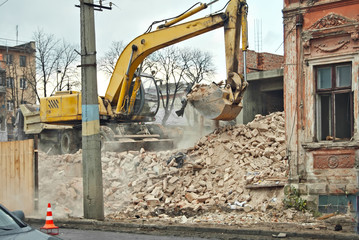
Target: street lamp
{"type": "Point", "coordinates": [57, 78]}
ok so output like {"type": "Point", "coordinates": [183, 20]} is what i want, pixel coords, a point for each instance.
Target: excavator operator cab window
{"type": "Point", "coordinates": [147, 98]}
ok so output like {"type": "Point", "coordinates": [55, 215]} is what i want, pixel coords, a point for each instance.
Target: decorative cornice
{"type": "Point", "coordinates": [318, 6]}
{"type": "Point", "coordinates": [324, 48]}
{"type": "Point", "coordinates": [330, 5]}
{"type": "Point", "coordinates": [331, 20]}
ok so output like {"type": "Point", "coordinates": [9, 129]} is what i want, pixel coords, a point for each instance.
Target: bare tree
{"type": "Point", "coordinates": [55, 64]}
{"type": "Point", "coordinates": [12, 76]}
{"type": "Point", "coordinates": [17, 83]}
{"type": "Point", "coordinates": [108, 62]}
{"type": "Point", "coordinates": [198, 65]}
{"type": "Point", "coordinates": [47, 57]}
{"type": "Point", "coordinates": [167, 65]}
{"type": "Point", "coordinates": [177, 69]}
{"type": "Point", "coordinates": [29, 74]}
{"type": "Point", "coordinates": [66, 70]}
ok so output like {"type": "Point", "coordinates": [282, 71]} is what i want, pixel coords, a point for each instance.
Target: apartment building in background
{"type": "Point", "coordinates": [19, 66]}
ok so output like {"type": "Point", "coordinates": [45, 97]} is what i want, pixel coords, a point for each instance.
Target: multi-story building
{"type": "Point", "coordinates": [19, 63]}
{"type": "Point", "coordinates": [321, 52]}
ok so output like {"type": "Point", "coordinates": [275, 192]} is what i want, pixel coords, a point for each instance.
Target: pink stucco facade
{"type": "Point", "coordinates": [321, 35]}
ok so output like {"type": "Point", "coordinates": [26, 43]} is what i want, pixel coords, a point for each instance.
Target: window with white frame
{"type": "Point", "coordinates": [10, 105]}
{"type": "Point", "coordinates": [10, 82]}
{"type": "Point", "coordinates": [334, 102]}
{"type": "Point", "coordinates": [23, 83]}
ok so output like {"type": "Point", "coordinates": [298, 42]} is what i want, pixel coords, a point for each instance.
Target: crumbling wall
{"type": "Point", "coordinates": [318, 33]}
{"type": "Point", "coordinates": [261, 61]}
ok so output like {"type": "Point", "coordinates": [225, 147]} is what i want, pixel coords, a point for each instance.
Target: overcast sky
{"type": "Point", "coordinates": [129, 19]}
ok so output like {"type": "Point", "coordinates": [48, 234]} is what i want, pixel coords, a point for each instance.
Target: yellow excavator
{"type": "Point", "coordinates": [132, 97]}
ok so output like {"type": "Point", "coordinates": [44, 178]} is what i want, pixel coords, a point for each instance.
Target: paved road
{"type": "Point", "coordinates": [87, 231]}
{"type": "Point", "coordinates": [75, 234]}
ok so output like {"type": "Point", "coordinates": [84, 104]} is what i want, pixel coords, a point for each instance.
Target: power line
{"type": "Point", "coordinates": [286, 37]}
{"type": "Point", "coordinates": [12, 40]}
{"type": "Point", "coordinates": [4, 2]}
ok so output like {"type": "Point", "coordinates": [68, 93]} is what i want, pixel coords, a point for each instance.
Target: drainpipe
{"type": "Point", "coordinates": [299, 25]}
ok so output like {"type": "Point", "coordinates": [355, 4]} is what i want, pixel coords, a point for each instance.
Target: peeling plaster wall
{"type": "Point", "coordinates": [318, 33]}
{"type": "Point", "coordinates": [290, 94]}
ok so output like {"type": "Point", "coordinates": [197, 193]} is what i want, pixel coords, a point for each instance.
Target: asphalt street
{"type": "Point", "coordinates": [75, 234]}
{"type": "Point", "coordinates": [103, 230]}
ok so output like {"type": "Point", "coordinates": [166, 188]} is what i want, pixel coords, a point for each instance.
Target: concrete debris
{"type": "Point", "coordinates": [280, 235]}
{"type": "Point", "coordinates": [177, 160]}
{"type": "Point", "coordinates": [207, 184]}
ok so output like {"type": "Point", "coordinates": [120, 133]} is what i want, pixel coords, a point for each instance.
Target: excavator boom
{"type": "Point", "coordinates": [132, 97]}
{"type": "Point", "coordinates": [139, 48]}
{"type": "Point", "coordinates": [227, 101]}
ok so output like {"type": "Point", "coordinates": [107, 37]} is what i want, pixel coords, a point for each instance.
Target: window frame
{"type": "Point", "coordinates": [2, 79]}
{"type": "Point", "coordinates": [10, 105]}
{"type": "Point", "coordinates": [9, 59]}
{"type": "Point", "coordinates": [22, 82]}
{"type": "Point", "coordinates": [334, 90]}
{"type": "Point", "coordinates": [22, 61]}
{"type": "Point", "coordinates": [10, 80]}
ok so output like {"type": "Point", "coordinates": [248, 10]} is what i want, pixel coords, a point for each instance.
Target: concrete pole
{"type": "Point", "coordinates": [91, 146]}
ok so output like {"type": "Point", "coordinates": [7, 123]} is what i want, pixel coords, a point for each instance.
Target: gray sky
{"type": "Point", "coordinates": [131, 19]}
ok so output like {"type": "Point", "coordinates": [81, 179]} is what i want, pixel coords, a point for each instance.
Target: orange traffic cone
{"type": "Point", "coordinates": [49, 226]}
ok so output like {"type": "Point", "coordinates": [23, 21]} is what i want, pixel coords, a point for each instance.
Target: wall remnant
{"type": "Point", "coordinates": [321, 99]}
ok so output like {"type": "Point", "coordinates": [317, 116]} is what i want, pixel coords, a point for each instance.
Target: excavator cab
{"type": "Point", "coordinates": [147, 100]}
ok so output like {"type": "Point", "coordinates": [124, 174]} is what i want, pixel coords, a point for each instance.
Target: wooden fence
{"type": "Point", "coordinates": [17, 182]}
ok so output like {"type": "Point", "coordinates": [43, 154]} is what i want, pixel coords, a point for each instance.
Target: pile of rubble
{"type": "Point", "coordinates": [235, 174]}
{"type": "Point", "coordinates": [225, 169]}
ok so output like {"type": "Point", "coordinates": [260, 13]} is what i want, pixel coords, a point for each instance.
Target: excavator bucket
{"type": "Point", "coordinates": [212, 102]}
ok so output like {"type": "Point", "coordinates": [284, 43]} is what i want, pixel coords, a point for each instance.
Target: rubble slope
{"type": "Point", "coordinates": [235, 174]}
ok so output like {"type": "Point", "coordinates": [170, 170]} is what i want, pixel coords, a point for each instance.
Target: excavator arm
{"type": "Point", "coordinates": [58, 121]}
{"type": "Point", "coordinates": [118, 91]}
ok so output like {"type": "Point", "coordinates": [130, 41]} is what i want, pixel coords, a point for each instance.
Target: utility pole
{"type": "Point", "coordinates": [91, 149]}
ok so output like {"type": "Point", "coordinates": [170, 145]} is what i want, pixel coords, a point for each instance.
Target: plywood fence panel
{"type": "Point", "coordinates": [17, 175]}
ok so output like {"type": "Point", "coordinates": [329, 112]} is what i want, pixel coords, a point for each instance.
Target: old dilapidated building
{"type": "Point", "coordinates": [264, 93]}
{"type": "Point", "coordinates": [321, 41]}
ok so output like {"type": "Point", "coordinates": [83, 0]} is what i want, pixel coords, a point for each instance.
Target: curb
{"type": "Point", "coordinates": [181, 230]}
